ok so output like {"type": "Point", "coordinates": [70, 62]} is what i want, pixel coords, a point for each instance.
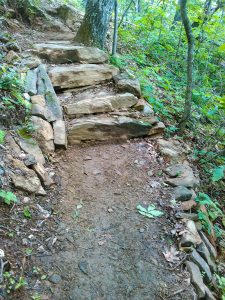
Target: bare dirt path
{"type": "Point", "coordinates": [104, 248]}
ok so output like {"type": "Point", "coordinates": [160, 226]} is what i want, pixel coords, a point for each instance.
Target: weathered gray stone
{"type": "Point", "coordinates": [105, 128]}
{"type": "Point", "coordinates": [64, 53]}
{"type": "Point", "coordinates": [196, 278]}
{"type": "Point", "coordinates": [204, 252]}
{"type": "Point", "coordinates": [31, 62]}
{"type": "Point", "coordinates": [188, 216]}
{"type": "Point", "coordinates": [173, 150]}
{"type": "Point", "coordinates": [31, 82]}
{"type": "Point", "coordinates": [157, 129]}
{"type": "Point", "coordinates": [30, 146]}
{"type": "Point", "coordinates": [124, 84]}
{"type": "Point", "coordinates": [44, 134]}
{"type": "Point", "coordinates": [38, 99]}
{"type": "Point", "coordinates": [181, 193]}
{"type": "Point", "coordinates": [55, 278]}
{"type": "Point", "coordinates": [203, 266]}
{"type": "Point", "coordinates": [72, 76]}
{"type": "Point", "coordinates": [46, 89]}
{"type": "Point", "coordinates": [43, 175]}
{"type": "Point", "coordinates": [11, 56]}
{"type": "Point", "coordinates": [210, 247]}
{"type": "Point", "coordinates": [101, 104]}
{"type": "Point", "coordinates": [60, 136]}
{"type": "Point", "coordinates": [39, 111]}
{"type": "Point", "coordinates": [25, 179]}
{"type": "Point", "coordinates": [208, 294]}
{"type": "Point", "coordinates": [190, 236]}
{"type": "Point", "coordinates": [182, 175]}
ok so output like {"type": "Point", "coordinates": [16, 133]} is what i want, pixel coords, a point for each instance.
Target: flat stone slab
{"type": "Point", "coordinates": [101, 104]}
{"type": "Point", "coordinates": [59, 53]}
{"type": "Point", "coordinates": [73, 76]}
{"type": "Point", "coordinates": [106, 128]}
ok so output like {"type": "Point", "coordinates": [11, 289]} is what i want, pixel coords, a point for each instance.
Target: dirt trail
{"type": "Point", "coordinates": [104, 248]}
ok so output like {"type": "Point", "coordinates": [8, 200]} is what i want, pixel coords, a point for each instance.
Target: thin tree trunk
{"type": "Point", "coordinates": [179, 42]}
{"type": "Point", "coordinates": [124, 13]}
{"type": "Point", "coordinates": [190, 58]}
{"type": "Point", "coordinates": [115, 31]}
{"type": "Point", "coordinates": [93, 29]}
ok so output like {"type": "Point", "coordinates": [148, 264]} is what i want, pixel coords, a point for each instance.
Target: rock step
{"type": "Point", "coordinates": [108, 128]}
{"type": "Point", "coordinates": [102, 104]}
{"type": "Point", "coordinates": [62, 53]}
{"type": "Point", "coordinates": [73, 76]}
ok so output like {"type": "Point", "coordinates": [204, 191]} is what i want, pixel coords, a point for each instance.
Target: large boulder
{"type": "Point", "coordinates": [67, 53]}
{"type": "Point", "coordinates": [106, 128]}
{"type": "Point", "coordinates": [101, 104]}
{"type": "Point", "coordinates": [73, 76]}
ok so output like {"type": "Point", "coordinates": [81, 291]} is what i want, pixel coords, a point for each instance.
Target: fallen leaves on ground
{"type": "Point", "coordinates": [171, 255]}
{"type": "Point", "coordinates": [150, 211]}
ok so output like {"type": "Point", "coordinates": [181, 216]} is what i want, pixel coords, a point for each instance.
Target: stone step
{"type": "Point", "coordinates": [101, 104]}
{"type": "Point", "coordinates": [73, 76]}
{"type": "Point", "coordinates": [103, 127]}
{"type": "Point", "coordinates": [62, 53]}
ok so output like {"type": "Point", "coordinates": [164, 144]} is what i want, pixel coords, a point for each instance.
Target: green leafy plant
{"type": "Point", "coordinates": [218, 173]}
{"type": "Point", "coordinates": [221, 285]}
{"type": "Point", "coordinates": [26, 212]}
{"type": "Point", "coordinates": [12, 282]}
{"type": "Point", "coordinates": [8, 197]}
{"type": "Point", "coordinates": [150, 211]}
{"type": "Point", "coordinates": [2, 136]}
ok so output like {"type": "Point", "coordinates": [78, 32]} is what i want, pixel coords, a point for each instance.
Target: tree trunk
{"type": "Point", "coordinates": [190, 58]}
{"type": "Point", "coordinates": [115, 32]}
{"type": "Point", "coordinates": [93, 29]}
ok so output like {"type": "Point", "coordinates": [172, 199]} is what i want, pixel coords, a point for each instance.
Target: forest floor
{"type": "Point", "coordinates": [104, 248]}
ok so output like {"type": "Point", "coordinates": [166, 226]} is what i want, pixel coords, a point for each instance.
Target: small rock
{"type": "Point", "coordinates": [125, 84]}
{"type": "Point", "coordinates": [43, 175]}
{"type": "Point", "coordinates": [13, 46]}
{"type": "Point", "coordinates": [60, 137]}
{"type": "Point", "coordinates": [210, 247]}
{"type": "Point", "coordinates": [181, 175]}
{"type": "Point", "coordinates": [41, 191]}
{"type": "Point", "coordinates": [150, 173]}
{"type": "Point", "coordinates": [196, 278]}
{"type": "Point", "coordinates": [29, 160]}
{"type": "Point", "coordinates": [188, 205]}
{"type": "Point", "coordinates": [204, 252]}
{"type": "Point", "coordinates": [141, 230]}
{"type": "Point", "coordinates": [208, 294]}
{"type": "Point", "coordinates": [39, 100]}
{"type": "Point", "coordinates": [55, 278]}
{"type": "Point", "coordinates": [87, 157]}
{"type": "Point", "coordinates": [203, 266]}
{"type": "Point", "coordinates": [190, 236]}
{"type": "Point", "coordinates": [110, 210]}
{"type": "Point", "coordinates": [39, 111]}
{"type": "Point", "coordinates": [11, 56]}
{"type": "Point", "coordinates": [173, 150]}
{"type": "Point", "coordinates": [140, 105]}
{"type": "Point", "coordinates": [83, 266]}
{"type": "Point", "coordinates": [188, 216]}
{"type": "Point", "coordinates": [24, 178]}
{"type": "Point", "coordinates": [181, 193]}
{"type": "Point", "coordinates": [44, 134]}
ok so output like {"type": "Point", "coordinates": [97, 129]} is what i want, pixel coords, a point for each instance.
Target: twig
{"type": "Point", "coordinates": [176, 292]}
{"type": "Point", "coordinates": [3, 147]}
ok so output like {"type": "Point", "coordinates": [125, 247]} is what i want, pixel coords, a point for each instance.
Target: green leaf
{"type": "Point", "coordinates": [218, 173]}
{"type": "Point", "coordinates": [8, 197]}
{"type": "Point", "coordinates": [26, 212]}
{"type": "Point", "coordinates": [222, 48]}
{"type": "Point", "coordinates": [150, 212]}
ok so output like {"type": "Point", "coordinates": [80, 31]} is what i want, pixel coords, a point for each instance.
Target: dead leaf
{"type": "Point", "coordinates": [171, 255]}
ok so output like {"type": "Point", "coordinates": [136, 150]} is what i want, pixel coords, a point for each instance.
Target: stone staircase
{"type": "Point", "coordinates": [113, 113]}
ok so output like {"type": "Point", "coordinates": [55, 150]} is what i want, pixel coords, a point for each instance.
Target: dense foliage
{"type": "Point", "coordinates": [153, 45]}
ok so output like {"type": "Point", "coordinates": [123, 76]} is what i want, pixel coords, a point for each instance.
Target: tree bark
{"type": "Point", "coordinates": [190, 58]}
{"type": "Point", "coordinates": [93, 29]}
{"type": "Point", "coordinates": [115, 31]}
